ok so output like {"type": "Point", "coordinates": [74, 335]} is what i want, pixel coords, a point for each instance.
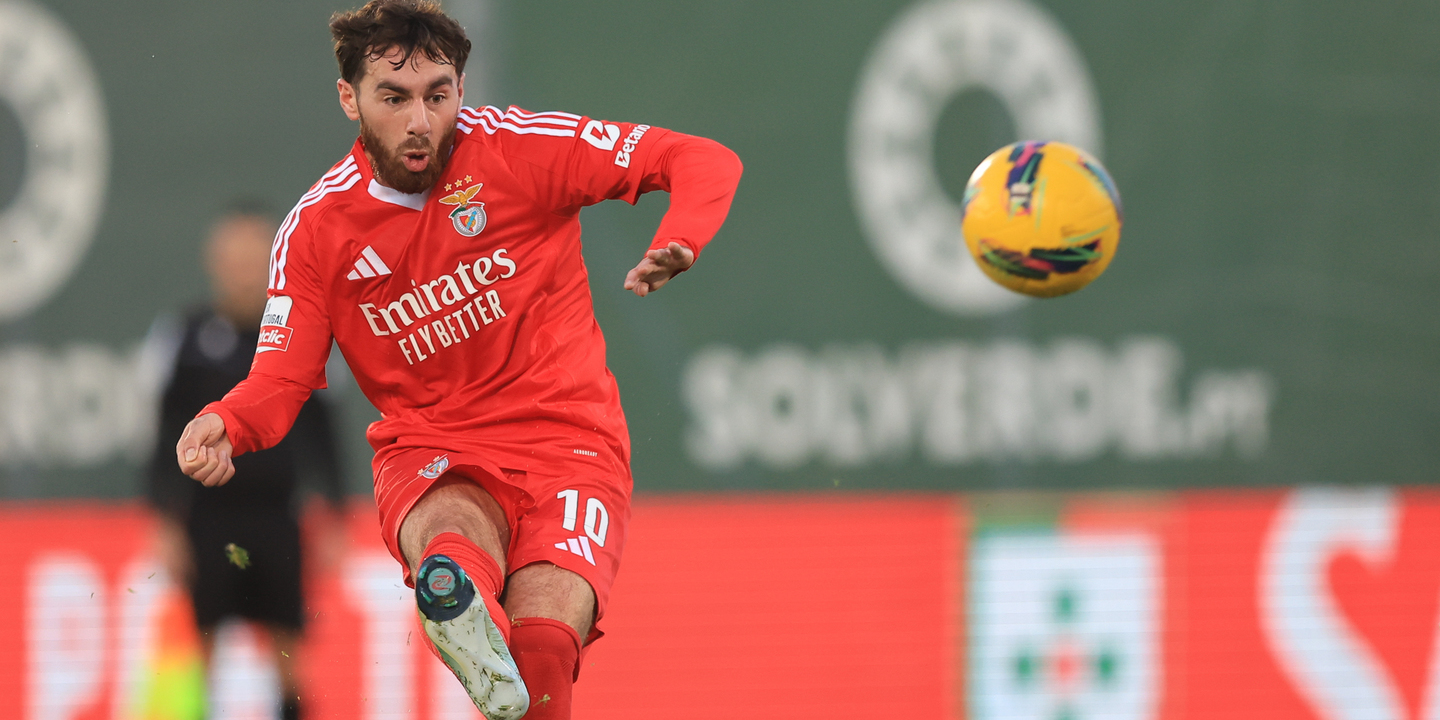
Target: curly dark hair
{"type": "Point", "coordinates": [414, 26]}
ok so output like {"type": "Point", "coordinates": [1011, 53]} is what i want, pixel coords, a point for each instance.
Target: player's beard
{"type": "Point", "coordinates": [390, 170]}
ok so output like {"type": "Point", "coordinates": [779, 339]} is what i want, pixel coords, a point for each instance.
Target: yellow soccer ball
{"type": "Point", "coordinates": [1041, 218]}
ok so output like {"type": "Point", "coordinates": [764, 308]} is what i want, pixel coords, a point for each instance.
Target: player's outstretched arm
{"type": "Point", "coordinates": [701, 176]}
{"type": "Point", "coordinates": [658, 267]}
{"type": "Point", "coordinates": [204, 451]}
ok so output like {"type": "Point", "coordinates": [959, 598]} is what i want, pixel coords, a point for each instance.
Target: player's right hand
{"type": "Point", "coordinates": [204, 451]}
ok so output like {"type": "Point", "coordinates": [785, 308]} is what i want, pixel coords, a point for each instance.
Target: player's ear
{"type": "Point", "coordinates": [460, 89]}
{"type": "Point", "coordinates": [349, 99]}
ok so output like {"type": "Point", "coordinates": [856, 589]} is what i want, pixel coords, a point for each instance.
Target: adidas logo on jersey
{"type": "Point", "coordinates": [578, 545]}
{"type": "Point", "coordinates": [368, 265]}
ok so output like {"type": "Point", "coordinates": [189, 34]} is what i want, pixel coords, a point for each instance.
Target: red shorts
{"type": "Point", "coordinates": [575, 519]}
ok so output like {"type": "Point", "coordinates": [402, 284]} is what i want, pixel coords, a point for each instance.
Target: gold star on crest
{"type": "Point", "coordinates": [449, 187]}
{"type": "Point", "coordinates": [467, 178]}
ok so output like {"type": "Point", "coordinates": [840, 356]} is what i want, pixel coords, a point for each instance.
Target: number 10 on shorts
{"type": "Point", "coordinates": [597, 518]}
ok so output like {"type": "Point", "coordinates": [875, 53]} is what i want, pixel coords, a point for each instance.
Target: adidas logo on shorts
{"type": "Point", "coordinates": [578, 545]}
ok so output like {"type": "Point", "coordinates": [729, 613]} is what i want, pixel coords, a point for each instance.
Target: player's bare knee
{"type": "Point", "coordinates": [549, 591]}
{"type": "Point", "coordinates": [457, 505]}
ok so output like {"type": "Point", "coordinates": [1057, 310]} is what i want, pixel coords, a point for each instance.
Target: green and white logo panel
{"type": "Point", "coordinates": [1064, 627]}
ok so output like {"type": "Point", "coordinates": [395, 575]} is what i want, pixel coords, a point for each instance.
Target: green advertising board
{"type": "Point", "coordinates": [1269, 318]}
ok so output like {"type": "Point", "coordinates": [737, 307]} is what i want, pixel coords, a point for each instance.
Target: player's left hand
{"type": "Point", "coordinates": [658, 267]}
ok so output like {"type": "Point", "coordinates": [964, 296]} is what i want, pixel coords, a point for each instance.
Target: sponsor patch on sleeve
{"type": "Point", "coordinates": [274, 337]}
{"type": "Point", "coordinates": [274, 326]}
{"type": "Point", "coordinates": [277, 311]}
{"type": "Point", "coordinates": [622, 158]}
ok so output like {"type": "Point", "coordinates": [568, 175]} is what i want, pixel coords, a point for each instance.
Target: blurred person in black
{"type": "Point", "coordinates": [258, 511]}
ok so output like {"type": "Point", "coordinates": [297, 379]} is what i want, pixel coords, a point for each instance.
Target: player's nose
{"type": "Point", "coordinates": [418, 120]}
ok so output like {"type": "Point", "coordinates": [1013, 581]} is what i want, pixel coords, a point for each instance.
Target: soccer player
{"type": "Point", "coordinates": [442, 254]}
{"type": "Point", "coordinates": [212, 353]}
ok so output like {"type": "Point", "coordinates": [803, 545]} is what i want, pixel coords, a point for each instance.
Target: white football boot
{"type": "Point", "coordinates": [468, 639]}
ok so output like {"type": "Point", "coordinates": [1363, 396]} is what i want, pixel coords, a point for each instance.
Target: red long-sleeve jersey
{"type": "Point", "coordinates": [465, 312]}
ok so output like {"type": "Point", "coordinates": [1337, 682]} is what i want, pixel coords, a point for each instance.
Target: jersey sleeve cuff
{"type": "Point", "coordinates": [232, 426]}
{"type": "Point", "coordinates": [662, 243]}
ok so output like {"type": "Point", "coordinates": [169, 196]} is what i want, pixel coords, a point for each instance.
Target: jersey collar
{"type": "Point", "coordinates": [381, 192]}
{"type": "Point", "coordinates": [395, 197]}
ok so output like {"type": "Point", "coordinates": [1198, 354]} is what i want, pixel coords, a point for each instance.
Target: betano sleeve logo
{"type": "Point", "coordinates": [622, 158]}
{"type": "Point", "coordinates": [606, 137]}
{"type": "Point", "coordinates": [274, 325]}
{"type": "Point", "coordinates": [601, 135]}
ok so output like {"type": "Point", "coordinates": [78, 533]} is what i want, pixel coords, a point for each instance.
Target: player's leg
{"type": "Point", "coordinates": [273, 596]}
{"type": "Point", "coordinates": [552, 609]}
{"type": "Point", "coordinates": [545, 590]}
{"type": "Point", "coordinates": [214, 586]}
{"type": "Point", "coordinates": [453, 539]}
{"type": "Point", "coordinates": [286, 642]}
{"type": "Point", "coordinates": [457, 505]}
{"type": "Point", "coordinates": [566, 552]}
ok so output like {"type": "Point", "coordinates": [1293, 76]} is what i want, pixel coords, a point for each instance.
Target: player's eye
{"type": "Point", "coordinates": [391, 100]}
{"type": "Point", "coordinates": [437, 98]}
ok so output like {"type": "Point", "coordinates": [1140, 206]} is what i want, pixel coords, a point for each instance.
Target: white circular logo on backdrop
{"type": "Point", "coordinates": [931, 53]}
{"type": "Point", "coordinates": [46, 80]}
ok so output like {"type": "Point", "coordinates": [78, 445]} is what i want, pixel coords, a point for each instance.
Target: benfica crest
{"type": "Point", "coordinates": [435, 468]}
{"type": "Point", "coordinates": [469, 218]}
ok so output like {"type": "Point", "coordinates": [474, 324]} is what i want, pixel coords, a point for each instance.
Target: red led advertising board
{"type": "Point", "coordinates": [1310, 603]}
